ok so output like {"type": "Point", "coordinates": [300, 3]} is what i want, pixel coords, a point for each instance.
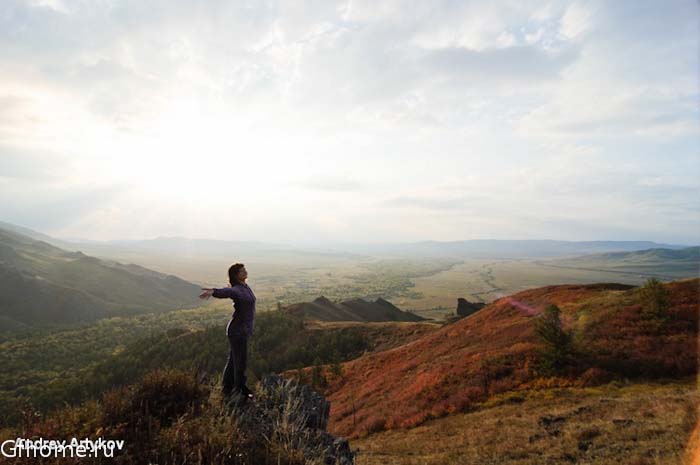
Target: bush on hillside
{"type": "Point", "coordinates": [557, 352]}
{"type": "Point", "coordinates": [174, 417]}
{"type": "Point", "coordinates": [656, 299]}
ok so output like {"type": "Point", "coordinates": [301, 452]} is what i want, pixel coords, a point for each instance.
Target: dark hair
{"type": "Point", "coordinates": [233, 271]}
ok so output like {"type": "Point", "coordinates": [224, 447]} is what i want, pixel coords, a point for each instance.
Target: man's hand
{"type": "Point", "coordinates": [207, 293]}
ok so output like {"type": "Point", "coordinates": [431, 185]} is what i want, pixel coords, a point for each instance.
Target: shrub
{"type": "Point", "coordinates": [595, 377]}
{"type": "Point", "coordinates": [337, 369]}
{"type": "Point", "coordinates": [170, 417]}
{"type": "Point", "coordinates": [557, 346]}
{"type": "Point", "coordinates": [158, 399]}
{"type": "Point", "coordinates": [655, 298]}
{"type": "Point", "coordinates": [318, 377]}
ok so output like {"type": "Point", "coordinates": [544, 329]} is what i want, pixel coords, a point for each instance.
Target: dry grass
{"type": "Point", "coordinates": [382, 335]}
{"type": "Point", "coordinates": [633, 424]}
{"type": "Point", "coordinates": [493, 351]}
{"type": "Point", "coordinates": [172, 417]}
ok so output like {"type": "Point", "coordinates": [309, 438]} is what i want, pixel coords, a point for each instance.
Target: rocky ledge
{"type": "Point", "coordinates": [284, 411]}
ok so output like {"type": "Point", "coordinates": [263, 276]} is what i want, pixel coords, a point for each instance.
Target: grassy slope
{"type": "Point", "coordinates": [646, 423]}
{"type": "Point", "coordinates": [383, 335]}
{"type": "Point", "coordinates": [664, 263]}
{"type": "Point", "coordinates": [176, 417]}
{"type": "Point", "coordinates": [49, 367]}
{"type": "Point", "coordinates": [492, 351]}
{"type": "Point", "coordinates": [43, 284]}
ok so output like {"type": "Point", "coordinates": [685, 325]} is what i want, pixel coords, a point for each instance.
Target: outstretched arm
{"type": "Point", "coordinates": [221, 293]}
{"type": "Point", "coordinates": [206, 293]}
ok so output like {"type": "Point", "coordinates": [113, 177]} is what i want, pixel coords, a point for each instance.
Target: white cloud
{"type": "Point", "coordinates": [576, 21]}
{"type": "Point", "coordinates": [516, 115]}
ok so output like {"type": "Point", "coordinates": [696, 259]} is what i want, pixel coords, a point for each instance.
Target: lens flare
{"type": "Point", "coordinates": [525, 308]}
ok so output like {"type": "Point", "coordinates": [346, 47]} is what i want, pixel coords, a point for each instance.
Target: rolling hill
{"type": "Point", "coordinates": [663, 263]}
{"type": "Point", "coordinates": [41, 284]}
{"type": "Point", "coordinates": [494, 351]}
{"type": "Point", "coordinates": [688, 255]}
{"type": "Point", "coordinates": [357, 309]}
{"type": "Point", "coordinates": [499, 248]}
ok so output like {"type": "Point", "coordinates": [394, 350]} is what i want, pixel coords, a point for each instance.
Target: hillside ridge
{"type": "Point", "coordinates": [69, 286]}
{"type": "Point", "coordinates": [353, 309]}
{"type": "Point", "coordinates": [494, 350]}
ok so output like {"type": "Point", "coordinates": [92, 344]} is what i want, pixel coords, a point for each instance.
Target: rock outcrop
{"type": "Point", "coordinates": [288, 412]}
{"type": "Point", "coordinates": [466, 308]}
{"type": "Point", "coordinates": [355, 309]}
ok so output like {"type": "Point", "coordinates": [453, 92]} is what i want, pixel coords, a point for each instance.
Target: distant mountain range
{"type": "Point", "coordinates": [324, 309]}
{"type": "Point", "coordinates": [41, 284]}
{"type": "Point", "coordinates": [475, 248]}
{"type": "Point", "coordinates": [688, 254]}
{"type": "Point", "coordinates": [494, 248]}
{"type": "Point", "coordinates": [184, 247]}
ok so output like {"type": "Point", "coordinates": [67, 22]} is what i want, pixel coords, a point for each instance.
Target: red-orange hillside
{"type": "Point", "coordinates": [493, 351]}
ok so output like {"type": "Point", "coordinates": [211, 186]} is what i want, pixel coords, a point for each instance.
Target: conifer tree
{"type": "Point", "coordinates": [557, 347]}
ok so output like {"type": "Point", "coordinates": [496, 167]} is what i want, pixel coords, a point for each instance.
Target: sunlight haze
{"type": "Point", "coordinates": [314, 122]}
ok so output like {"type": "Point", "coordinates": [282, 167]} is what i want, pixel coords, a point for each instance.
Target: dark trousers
{"type": "Point", "coordinates": [234, 373]}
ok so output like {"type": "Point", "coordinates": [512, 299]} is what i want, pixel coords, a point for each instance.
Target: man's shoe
{"type": "Point", "coordinates": [247, 392]}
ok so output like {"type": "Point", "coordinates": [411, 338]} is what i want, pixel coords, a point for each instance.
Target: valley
{"type": "Point", "coordinates": [407, 380]}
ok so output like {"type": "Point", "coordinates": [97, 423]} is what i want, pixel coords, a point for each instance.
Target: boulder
{"type": "Point", "coordinates": [466, 308]}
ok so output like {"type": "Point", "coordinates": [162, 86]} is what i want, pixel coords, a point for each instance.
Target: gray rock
{"type": "Point", "coordinates": [285, 411]}
{"type": "Point", "coordinates": [466, 308]}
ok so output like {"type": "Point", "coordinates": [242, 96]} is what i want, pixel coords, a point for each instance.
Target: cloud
{"type": "Point", "coordinates": [53, 206]}
{"type": "Point", "coordinates": [32, 165]}
{"type": "Point", "coordinates": [462, 204]}
{"type": "Point", "coordinates": [330, 183]}
{"type": "Point", "coordinates": [514, 63]}
{"type": "Point", "coordinates": [631, 78]}
{"type": "Point", "coordinates": [485, 118]}
{"type": "Point", "coordinates": [575, 21]}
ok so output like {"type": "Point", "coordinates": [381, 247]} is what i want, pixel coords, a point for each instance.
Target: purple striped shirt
{"type": "Point", "coordinates": [242, 320]}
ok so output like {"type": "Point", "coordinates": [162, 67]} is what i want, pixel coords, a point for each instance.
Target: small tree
{"type": "Point", "coordinates": [301, 376]}
{"type": "Point", "coordinates": [557, 350]}
{"type": "Point", "coordinates": [337, 369]}
{"type": "Point", "coordinates": [318, 377]}
{"type": "Point", "coordinates": [655, 298]}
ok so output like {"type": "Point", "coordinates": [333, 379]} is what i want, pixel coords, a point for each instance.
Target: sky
{"type": "Point", "coordinates": [307, 122]}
